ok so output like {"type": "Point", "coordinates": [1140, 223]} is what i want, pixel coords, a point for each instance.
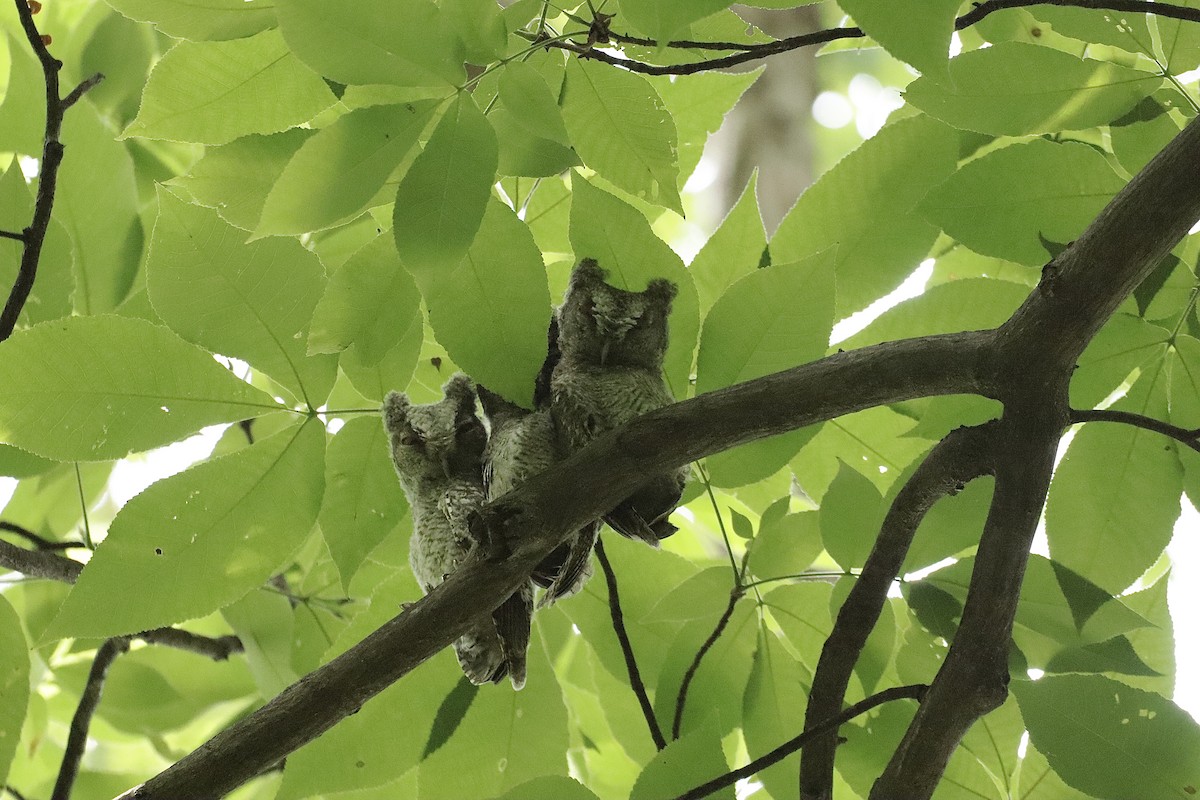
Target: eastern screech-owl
{"type": "Point", "coordinates": [438, 451]}
{"type": "Point", "coordinates": [522, 444]}
{"type": "Point", "coordinates": [612, 346]}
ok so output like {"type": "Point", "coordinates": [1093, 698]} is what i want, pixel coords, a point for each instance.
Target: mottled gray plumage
{"type": "Point", "coordinates": [612, 345]}
{"type": "Point", "coordinates": [438, 451]}
{"type": "Point", "coordinates": [522, 444]}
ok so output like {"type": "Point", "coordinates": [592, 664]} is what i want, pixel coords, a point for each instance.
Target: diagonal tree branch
{"type": "Point", "coordinates": [913, 692]}
{"type": "Point", "coordinates": [77, 739]}
{"type": "Point", "coordinates": [718, 629]}
{"type": "Point", "coordinates": [635, 675]}
{"type": "Point", "coordinates": [52, 154]}
{"type": "Point", "coordinates": [961, 457]}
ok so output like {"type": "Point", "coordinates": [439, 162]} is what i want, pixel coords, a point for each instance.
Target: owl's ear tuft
{"type": "Point", "coordinates": [662, 290]}
{"type": "Point", "coordinates": [588, 271]}
{"type": "Point", "coordinates": [461, 389]}
{"type": "Point", "coordinates": [395, 411]}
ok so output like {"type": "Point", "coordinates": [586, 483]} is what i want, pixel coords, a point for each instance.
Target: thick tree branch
{"type": "Point", "coordinates": [1186, 436]}
{"type": "Point", "coordinates": [753, 51]}
{"type": "Point", "coordinates": [718, 629]}
{"type": "Point", "coordinates": [52, 153]}
{"type": "Point", "coordinates": [551, 507]}
{"type": "Point", "coordinates": [635, 675]}
{"type": "Point", "coordinates": [962, 456]}
{"type": "Point", "coordinates": [77, 739]}
{"type": "Point", "coordinates": [38, 563]}
{"type": "Point", "coordinates": [913, 692]}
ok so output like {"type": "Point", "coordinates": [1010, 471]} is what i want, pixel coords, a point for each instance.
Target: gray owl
{"type": "Point", "coordinates": [438, 452]}
{"type": "Point", "coordinates": [522, 444]}
{"type": "Point", "coordinates": [612, 345]}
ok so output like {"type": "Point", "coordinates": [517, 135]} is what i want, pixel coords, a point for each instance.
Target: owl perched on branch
{"type": "Point", "coordinates": [438, 451]}
{"type": "Point", "coordinates": [522, 444]}
{"type": "Point", "coordinates": [612, 345]}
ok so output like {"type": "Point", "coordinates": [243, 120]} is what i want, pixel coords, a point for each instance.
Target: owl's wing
{"type": "Point", "coordinates": [576, 569]}
{"type": "Point", "coordinates": [512, 619]}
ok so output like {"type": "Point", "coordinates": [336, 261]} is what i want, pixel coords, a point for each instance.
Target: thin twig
{"type": "Point", "coordinates": [39, 542]}
{"type": "Point", "coordinates": [912, 692]}
{"type": "Point", "coordinates": [52, 154]}
{"type": "Point", "coordinates": [79, 91]}
{"type": "Point", "coordinates": [681, 698]}
{"type": "Point", "coordinates": [13, 792]}
{"type": "Point", "coordinates": [1189, 437]}
{"type": "Point", "coordinates": [20, 237]}
{"type": "Point", "coordinates": [217, 648]}
{"type": "Point", "coordinates": [77, 739]}
{"type": "Point", "coordinates": [635, 676]}
{"type": "Point", "coordinates": [753, 51]}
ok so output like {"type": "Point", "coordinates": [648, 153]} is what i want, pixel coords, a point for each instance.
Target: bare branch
{"type": "Point", "coordinates": [38, 563]}
{"type": "Point", "coordinates": [962, 456]}
{"type": "Point", "coordinates": [681, 698]}
{"type": "Point", "coordinates": [52, 154]}
{"type": "Point", "coordinates": [217, 648]}
{"type": "Point", "coordinates": [752, 51]}
{"type": "Point", "coordinates": [79, 91]}
{"type": "Point", "coordinates": [40, 542]}
{"type": "Point", "coordinates": [635, 675]}
{"type": "Point", "coordinates": [913, 692]}
{"type": "Point", "coordinates": [20, 237]}
{"type": "Point", "coordinates": [77, 739]}
{"type": "Point", "coordinates": [1185, 436]}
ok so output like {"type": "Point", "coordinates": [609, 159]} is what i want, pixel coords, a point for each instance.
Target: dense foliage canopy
{"type": "Point", "coordinates": [269, 213]}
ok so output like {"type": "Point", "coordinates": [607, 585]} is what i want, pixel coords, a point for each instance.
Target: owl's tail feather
{"type": "Point", "coordinates": [550, 567]}
{"type": "Point", "coordinates": [512, 620]}
{"type": "Point", "coordinates": [577, 568]}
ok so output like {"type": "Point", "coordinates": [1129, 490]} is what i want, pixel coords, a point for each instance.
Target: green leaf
{"type": "Point", "coordinates": [689, 761]}
{"type": "Point", "coordinates": [401, 42]}
{"type": "Point", "coordinates": [773, 698]}
{"type": "Point", "coordinates": [51, 295]}
{"type": "Point", "coordinates": [951, 526]}
{"type": "Point", "coordinates": [550, 787]}
{"type": "Point", "coordinates": [699, 104]}
{"type": "Point", "coordinates": [506, 734]}
{"type": "Point", "coordinates": [442, 198]}
{"type": "Point", "coordinates": [734, 250]}
{"type": "Point", "coordinates": [786, 544]}
{"type": "Point", "coordinates": [118, 385]}
{"type": "Point", "coordinates": [1122, 345]}
{"type": "Point", "coordinates": [16, 463]}
{"type": "Point", "coordinates": [885, 178]}
{"type": "Point", "coordinates": [263, 621]}
{"type": "Point", "coordinates": [14, 684]}
{"type": "Point", "coordinates": [524, 92]}
{"type": "Point", "coordinates": [363, 501]}
{"type": "Point", "coordinates": [23, 112]}
{"type": "Point", "coordinates": [851, 513]}
{"type": "Point", "coordinates": [499, 286]}
{"type": "Point", "coordinates": [620, 239]}
{"type": "Point", "coordinates": [368, 304]}
{"type": "Point", "coordinates": [1180, 41]}
{"type": "Point", "coordinates": [802, 613]}
{"type": "Point", "coordinates": [1111, 740]}
{"type": "Point", "coordinates": [702, 596]}
{"type": "Point", "coordinates": [96, 202]}
{"type": "Point", "coordinates": [523, 154]}
{"type": "Point", "coordinates": [1139, 135]}
{"type": "Point", "coordinates": [621, 129]}
{"type": "Point", "coordinates": [916, 31]}
{"type": "Point", "coordinates": [1116, 479]}
{"type": "Point", "coordinates": [396, 368]}
{"type": "Point", "coordinates": [661, 20]}
{"type": "Point", "coordinates": [335, 174]}
{"type": "Point", "coordinates": [1010, 201]}
{"type": "Point", "coordinates": [251, 301]}
{"type": "Point", "coordinates": [214, 92]}
{"type": "Point", "coordinates": [236, 178]}
{"type": "Point", "coordinates": [1127, 31]}
{"type": "Point", "coordinates": [201, 539]}
{"type": "Point", "coordinates": [771, 320]}
{"type": "Point", "coordinates": [1015, 89]}
{"type": "Point", "coordinates": [212, 19]}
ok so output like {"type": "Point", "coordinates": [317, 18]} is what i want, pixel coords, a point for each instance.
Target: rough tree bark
{"type": "Point", "coordinates": [1025, 364]}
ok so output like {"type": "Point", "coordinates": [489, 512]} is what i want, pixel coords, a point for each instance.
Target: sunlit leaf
{"type": "Point", "coordinates": [118, 385]}
{"type": "Point", "coordinates": [214, 92]}
{"type": "Point", "coordinates": [14, 683]}
{"type": "Point", "coordinates": [686, 763]}
{"type": "Point", "coordinates": [201, 539]}
{"type": "Point", "coordinates": [211, 19]}
{"type": "Point", "coordinates": [916, 31]}
{"type": "Point", "coordinates": [251, 301]}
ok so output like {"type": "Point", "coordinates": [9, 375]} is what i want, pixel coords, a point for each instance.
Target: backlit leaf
{"type": "Point", "coordinates": [210, 19]}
